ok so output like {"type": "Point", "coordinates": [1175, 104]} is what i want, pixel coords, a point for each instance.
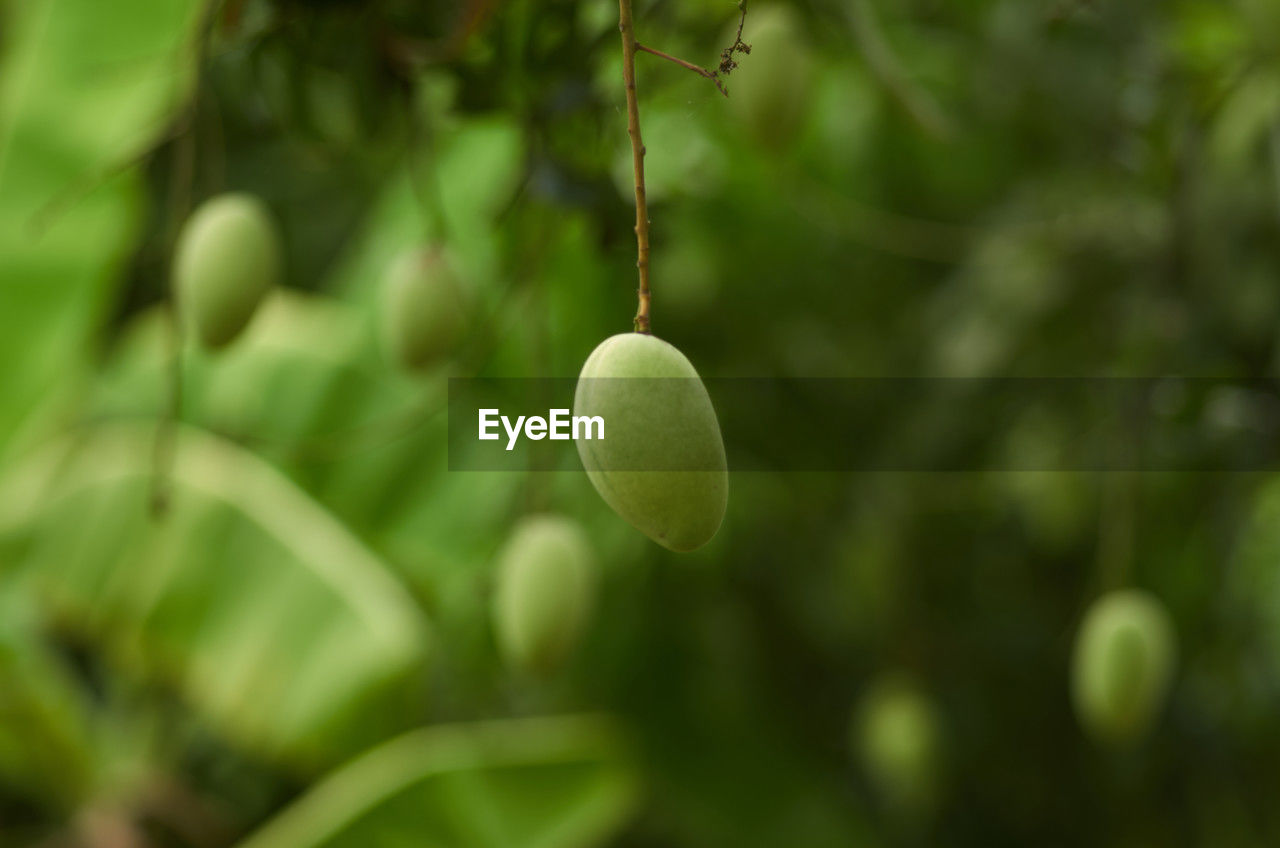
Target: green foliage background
{"type": "Point", "coordinates": [298, 653]}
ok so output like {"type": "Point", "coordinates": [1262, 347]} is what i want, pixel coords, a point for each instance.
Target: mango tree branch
{"type": "Point", "coordinates": [627, 27]}
{"type": "Point", "coordinates": [727, 60]}
{"type": "Point", "coordinates": [702, 72]}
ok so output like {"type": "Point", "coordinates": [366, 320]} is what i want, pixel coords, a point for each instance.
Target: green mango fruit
{"type": "Point", "coordinates": [661, 464]}
{"type": "Point", "coordinates": [1123, 665]}
{"type": "Point", "coordinates": [545, 587]}
{"type": "Point", "coordinates": [770, 90]}
{"type": "Point", "coordinates": [897, 735]}
{"type": "Point", "coordinates": [424, 311]}
{"type": "Point", "coordinates": [227, 257]}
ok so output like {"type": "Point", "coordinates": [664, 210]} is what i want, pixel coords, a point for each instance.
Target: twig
{"type": "Point", "coordinates": [1116, 530]}
{"type": "Point", "coordinates": [180, 189]}
{"type": "Point", "coordinates": [727, 62]}
{"type": "Point", "coordinates": [1275, 158]}
{"type": "Point", "coordinates": [626, 27]}
{"type": "Point", "coordinates": [81, 186]}
{"type": "Point", "coordinates": [215, 157]}
{"type": "Point", "coordinates": [425, 177]}
{"type": "Point", "coordinates": [162, 453]}
{"type": "Point", "coordinates": [886, 67]}
{"type": "Point", "coordinates": [179, 204]}
{"type": "Point", "coordinates": [700, 71]}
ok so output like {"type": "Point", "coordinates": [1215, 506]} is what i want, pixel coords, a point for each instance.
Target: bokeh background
{"type": "Point", "coordinates": [243, 602]}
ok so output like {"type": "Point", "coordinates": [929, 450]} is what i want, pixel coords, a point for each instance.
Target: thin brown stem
{"type": "Point", "coordinates": [424, 176]}
{"type": "Point", "coordinates": [727, 62]}
{"type": "Point", "coordinates": [180, 190]}
{"type": "Point", "coordinates": [163, 448]}
{"type": "Point", "coordinates": [1275, 159]}
{"type": "Point", "coordinates": [626, 26]}
{"type": "Point", "coordinates": [742, 22]}
{"type": "Point", "coordinates": [700, 71]}
{"type": "Point", "coordinates": [48, 213]}
{"type": "Point", "coordinates": [888, 70]}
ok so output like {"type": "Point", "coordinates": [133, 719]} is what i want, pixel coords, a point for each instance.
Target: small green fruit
{"type": "Point", "coordinates": [1123, 665]}
{"type": "Point", "coordinates": [896, 734]}
{"type": "Point", "coordinates": [424, 314]}
{"type": "Point", "coordinates": [227, 258]}
{"type": "Point", "coordinates": [661, 464]}
{"type": "Point", "coordinates": [770, 90]}
{"type": "Point", "coordinates": [545, 582]}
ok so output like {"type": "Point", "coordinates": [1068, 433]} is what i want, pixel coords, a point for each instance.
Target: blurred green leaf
{"type": "Point", "coordinates": [471, 175]}
{"type": "Point", "coordinates": [270, 617]}
{"type": "Point", "coordinates": [308, 388]}
{"type": "Point", "coordinates": [84, 87]}
{"type": "Point", "coordinates": [524, 783]}
{"type": "Point", "coordinates": [1257, 568]}
{"type": "Point", "coordinates": [1245, 123]}
{"type": "Point", "coordinates": [46, 746]}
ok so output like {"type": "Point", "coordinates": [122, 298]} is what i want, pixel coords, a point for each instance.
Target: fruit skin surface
{"type": "Point", "coordinates": [1123, 665]}
{"type": "Point", "coordinates": [424, 314]}
{"type": "Point", "coordinates": [545, 582]}
{"type": "Point", "coordinates": [227, 257]}
{"type": "Point", "coordinates": [661, 465]}
{"type": "Point", "coordinates": [896, 733]}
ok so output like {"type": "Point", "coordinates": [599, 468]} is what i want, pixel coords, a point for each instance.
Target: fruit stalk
{"type": "Point", "coordinates": [184, 152]}
{"type": "Point", "coordinates": [626, 26]}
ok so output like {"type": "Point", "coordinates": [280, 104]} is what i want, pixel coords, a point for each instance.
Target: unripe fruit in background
{"type": "Point", "coordinates": [545, 587]}
{"type": "Point", "coordinates": [661, 464]}
{"type": "Point", "coordinates": [424, 312]}
{"type": "Point", "coordinates": [227, 258]}
{"type": "Point", "coordinates": [897, 737]}
{"type": "Point", "coordinates": [1123, 665]}
{"type": "Point", "coordinates": [770, 91]}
